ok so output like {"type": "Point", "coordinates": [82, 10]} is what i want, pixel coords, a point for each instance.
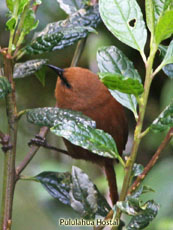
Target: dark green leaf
{"type": "Point", "coordinates": [95, 140]}
{"type": "Point", "coordinates": [164, 27]}
{"type": "Point", "coordinates": [85, 197]}
{"type": "Point", "coordinates": [50, 116]}
{"type": "Point", "coordinates": [121, 83]}
{"type": "Point", "coordinates": [5, 87]}
{"type": "Point", "coordinates": [164, 120]}
{"type": "Point", "coordinates": [71, 6]}
{"type": "Point", "coordinates": [64, 33]}
{"type": "Point", "coordinates": [137, 169]}
{"type": "Point", "coordinates": [30, 22]}
{"type": "Point", "coordinates": [111, 59]}
{"type": "Point", "coordinates": [150, 17]}
{"type": "Point", "coordinates": [41, 75]}
{"type": "Point", "coordinates": [29, 67]}
{"type": "Point", "coordinates": [147, 214]}
{"type": "Point", "coordinates": [75, 190]}
{"type": "Point", "coordinates": [57, 185]}
{"type": "Point", "coordinates": [124, 19]}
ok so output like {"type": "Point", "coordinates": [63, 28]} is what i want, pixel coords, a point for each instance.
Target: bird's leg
{"type": "Point", "coordinates": [111, 177]}
{"type": "Point", "coordinates": [40, 141]}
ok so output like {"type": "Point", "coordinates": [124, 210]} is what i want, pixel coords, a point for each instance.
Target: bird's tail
{"type": "Point", "coordinates": [111, 177]}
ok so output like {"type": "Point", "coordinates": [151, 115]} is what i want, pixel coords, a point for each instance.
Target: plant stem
{"type": "Point", "coordinates": [79, 49]}
{"type": "Point", "coordinates": [152, 162]}
{"type": "Point", "coordinates": [9, 158]}
{"type": "Point", "coordinates": [138, 129]}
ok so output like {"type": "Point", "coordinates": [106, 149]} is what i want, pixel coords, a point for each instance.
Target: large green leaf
{"type": "Point", "coordinates": [164, 27]}
{"type": "Point", "coordinates": [94, 140]}
{"type": "Point", "coordinates": [57, 185]}
{"type": "Point", "coordinates": [29, 67]}
{"type": "Point", "coordinates": [64, 33]}
{"type": "Point", "coordinates": [5, 87]}
{"type": "Point", "coordinates": [50, 116]}
{"type": "Point", "coordinates": [111, 59]}
{"type": "Point", "coordinates": [164, 120]}
{"type": "Point", "coordinates": [124, 19]}
{"type": "Point", "coordinates": [85, 197]}
{"type": "Point", "coordinates": [75, 190]}
{"type": "Point", "coordinates": [71, 6]}
{"type": "Point", "coordinates": [123, 84]}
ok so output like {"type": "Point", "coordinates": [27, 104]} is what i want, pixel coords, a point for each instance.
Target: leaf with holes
{"type": "Point", "coordinates": [164, 120]}
{"type": "Point", "coordinates": [124, 19]}
{"type": "Point", "coordinates": [94, 140]}
{"type": "Point", "coordinates": [64, 33]}
{"type": "Point", "coordinates": [111, 59]}
{"type": "Point", "coordinates": [57, 185]}
{"type": "Point", "coordinates": [29, 67]}
{"type": "Point", "coordinates": [85, 196]}
{"type": "Point", "coordinates": [71, 6]}
{"type": "Point", "coordinates": [50, 116]}
{"type": "Point", "coordinates": [121, 83]}
{"type": "Point", "coordinates": [164, 27]}
{"type": "Point", "coordinates": [5, 87]}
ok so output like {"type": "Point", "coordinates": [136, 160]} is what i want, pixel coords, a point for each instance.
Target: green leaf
{"type": "Point", "coordinates": [94, 140]}
{"type": "Point", "coordinates": [75, 190]}
{"type": "Point", "coordinates": [71, 6]}
{"type": "Point", "coordinates": [160, 6]}
{"type": "Point", "coordinates": [164, 120]}
{"type": "Point", "coordinates": [50, 116]}
{"type": "Point", "coordinates": [30, 22]}
{"type": "Point", "coordinates": [29, 67]}
{"type": "Point", "coordinates": [168, 58]}
{"type": "Point", "coordinates": [5, 87]}
{"type": "Point", "coordinates": [85, 197]}
{"type": "Point", "coordinates": [125, 20]}
{"type": "Point", "coordinates": [10, 4]}
{"type": "Point", "coordinates": [64, 33]}
{"type": "Point", "coordinates": [164, 27]}
{"type": "Point", "coordinates": [146, 215]}
{"type": "Point", "coordinates": [22, 4]}
{"type": "Point", "coordinates": [150, 17]}
{"type": "Point", "coordinates": [41, 75]}
{"type": "Point", "coordinates": [121, 83]}
{"type": "Point", "coordinates": [57, 185]}
{"type": "Point", "coordinates": [137, 169]}
{"type": "Point", "coordinates": [11, 23]}
{"type": "Point", "coordinates": [111, 59]}
{"type": "Point", "coordinates": [167, 69]}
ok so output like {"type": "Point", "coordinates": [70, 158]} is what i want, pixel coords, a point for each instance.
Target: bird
{"type": "Point", "coordinates": [79, 89]}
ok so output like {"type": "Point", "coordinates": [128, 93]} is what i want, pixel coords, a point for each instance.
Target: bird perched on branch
{"type": "Point", "coordinates": [81, 90]}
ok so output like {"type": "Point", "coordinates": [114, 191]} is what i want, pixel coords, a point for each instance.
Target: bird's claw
{"type": "Point", "coordinates": [38, 141]}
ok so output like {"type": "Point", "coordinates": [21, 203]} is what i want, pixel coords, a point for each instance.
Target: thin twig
{"type": "Point", "coordinates": [152, 162]}
{"type": "Point", "coordinates": [33, 150]}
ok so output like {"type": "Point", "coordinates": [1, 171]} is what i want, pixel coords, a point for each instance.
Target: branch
{"type": "Point", "coordinates": [152, 162]}
{"type": "Point", "coordinates": [33, 150]}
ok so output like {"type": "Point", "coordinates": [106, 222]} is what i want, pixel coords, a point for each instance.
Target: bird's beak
{"type": "Point", "coordinates": [60, 72]}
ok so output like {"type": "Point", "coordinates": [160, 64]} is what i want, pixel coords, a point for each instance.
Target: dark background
{"type": "Point", "coordinates": [33, 206]}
